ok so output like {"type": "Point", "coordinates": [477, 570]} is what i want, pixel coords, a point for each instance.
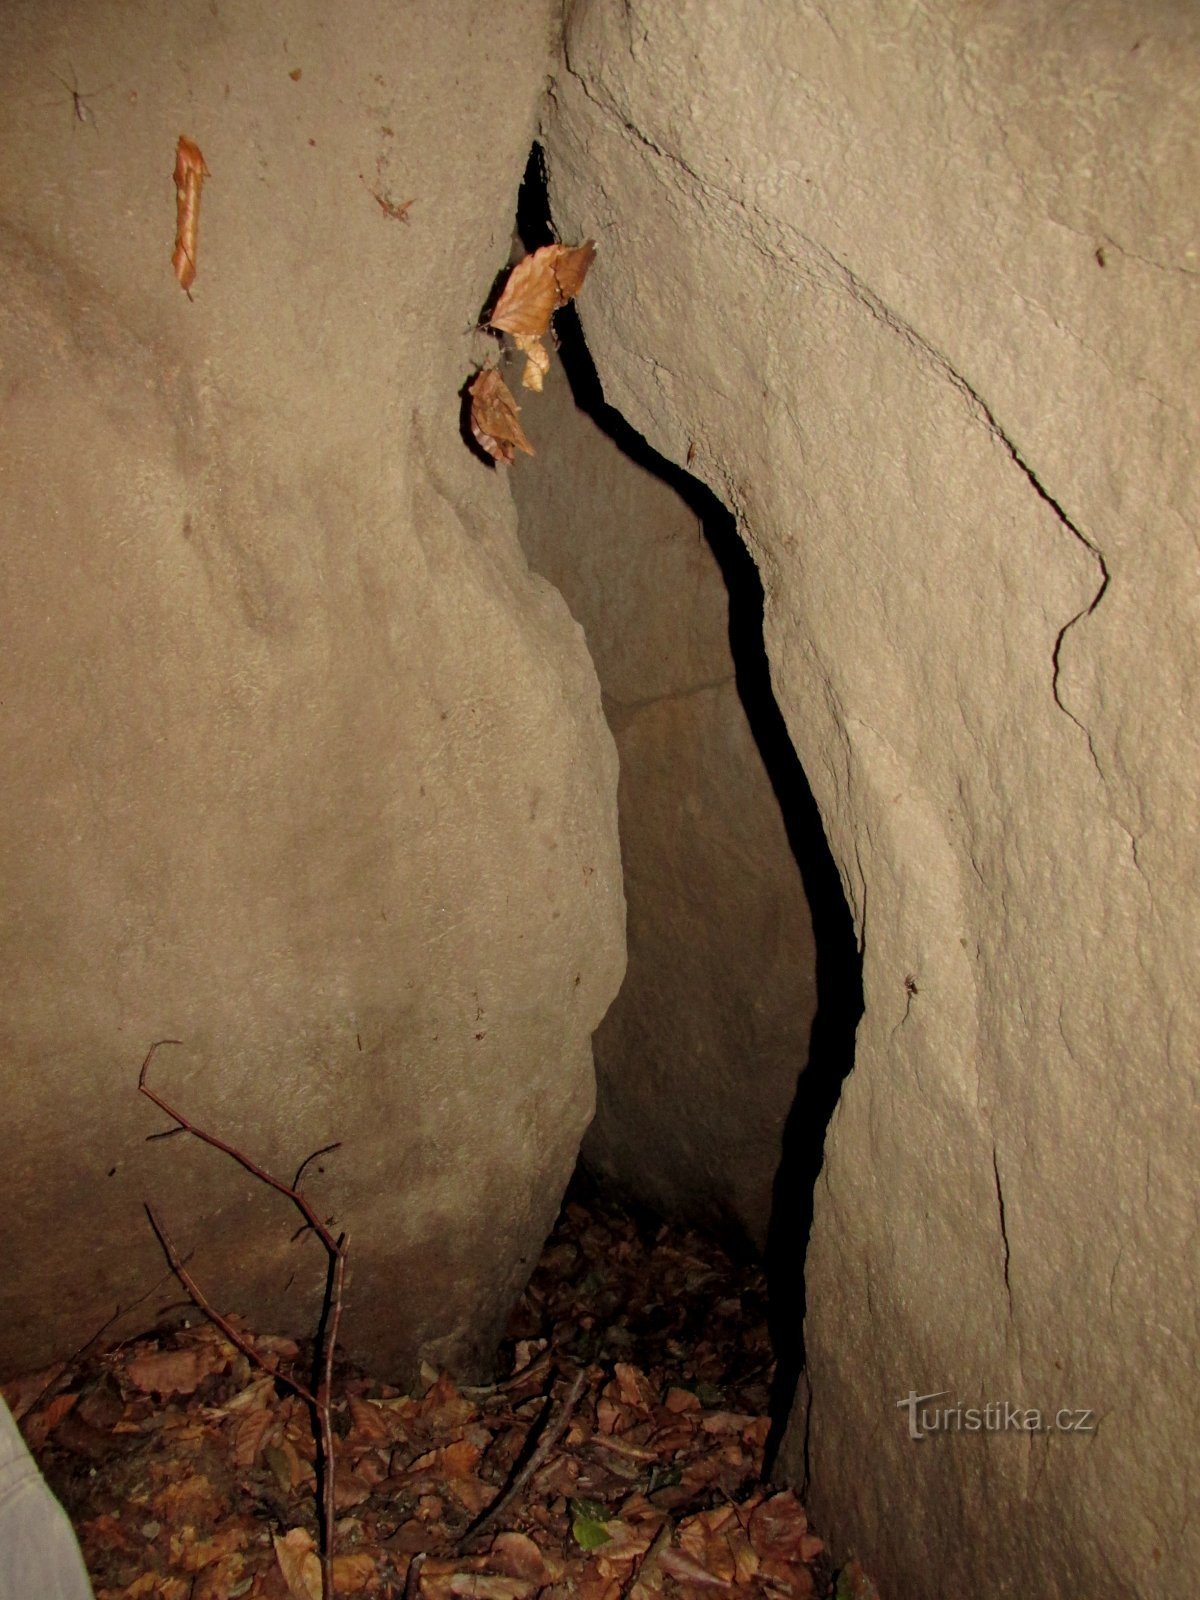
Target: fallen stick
{"type": "Point", "coordinates": [320, 1401]}
{"type": "Point", "coordinates": [551, 1434]}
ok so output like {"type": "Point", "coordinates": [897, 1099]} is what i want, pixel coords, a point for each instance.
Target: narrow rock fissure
{"type": "Point", "coordinates": [828, 994]}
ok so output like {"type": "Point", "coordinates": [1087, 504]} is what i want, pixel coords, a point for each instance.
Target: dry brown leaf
{"type": "Point", "coordinates": [530, 295]}
{"type": "Point", "coordinates": [352, 1487]}
{"type": "Point", "coordinates": [276, 1344]}
{"type": "Point", "coordinates": [174, 1371]}
{"type": "Point", "coordinates": [442, 1406]}
{"type": "Point", "coordinates": [250, 1435]}
{"type": "Point", "coordinates": [539, 284]}
{"type": "Point", "coordinates": [623, 1447]}
{"type": "Point", "coordinates": [608, 1414]}
{"type": "Point", "coordinates": [726, 1422]}
{"type": "Point", "coordinates": [634, 1386]}
{"type": "Point", "coordinates": [788, 1577]}
{"type": "Point", "coordinates": [571, 267]}
{"type": "Point", "coordinates": [299, 1563]}
{"type": "Point", "coordinates": [756, 1433]}
{"type": "Point", "coordinates": [193, 1553]}
{"type": "Point", "coordinates": [53, 1414]}
{"type": "Point", "coordinates": [219, 1581]}
{"type": "Point", "coordinates": [370, 1422]}
{"type": "Point", "coordinates": [517, 1556]}
{"type": "Point", "coordinates": [105, 1532]}
{"type": "Point", "coordinates": [288, 1465]}
{"type": "Point", "coordinates": [716, 1541]}
{"type": "Point", "coordinates": [778, 1530]}
{"type": "Point", "coordinates": [745, 1557]}
{"type": "Point", "coordinates": [626, 1542]}
{"type": "Point", "coordinates": [676, 1565]}
{"type": "Point", "coordinates": [190, 173]}
{"type": "Point", "coordinates": [537, 361]}
{"type": "Point", "coordinates": [352, 1571]}
{"type": "Point", "coordinates": [491, 1586]}
{"type": "Point", "coordinates": [252, 1398]}
{"type": "Point", "coordinates": [494, 417]}
{"type": "Point", "coordinates": [193, 1499]}
{"type": "Point", "coordinates": [590, 1584]}
{"type": "Point", "coordinates": [158, 1585]}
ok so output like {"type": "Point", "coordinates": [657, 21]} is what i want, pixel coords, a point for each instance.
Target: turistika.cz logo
{"type": "Point", "coordinates": [997, 1416]}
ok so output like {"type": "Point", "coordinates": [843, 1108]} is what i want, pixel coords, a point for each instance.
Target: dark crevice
{"type": "Point", "coordinates": [838, 967]}
{"type": "Point", "coordinates": [1003, 1227]}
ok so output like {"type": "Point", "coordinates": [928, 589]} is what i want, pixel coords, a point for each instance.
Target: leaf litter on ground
{"type": "Point", "coordinates": [189, 1474]}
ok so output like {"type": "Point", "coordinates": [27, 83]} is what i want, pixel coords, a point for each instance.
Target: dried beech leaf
{"type": "Point", "coordinates": [530, 295]}
{"type": "Point", "coordinates": [487, 1586]}
{"type": "Point", "coordinates": [517, 1556]}
{"type": "Point", "coordinates": [190, 173]}
{"type": "Point", "coordinates": [571, 267]}
{"type": "Point", "coordinates": [250, 1434]}
{"type": "Point", "coordinates": [353, 1572]}
{"type": "Point", "coordinates": [539, 284]}
{"type": "Point", "coordinates": [494, 417]}
{"type": "Point", "coordinates": [537, 361]}
{"type": "Point", "coordinates": [173, 1371]}
{"type": "Point", "coordinates": [299, 1563]}
{"type": "Point", "coordinates": [676, 1565]}
{"type": "Point", "coordinates": [779, 1528]}
{"type": "Point", "coordinates": [370, 1421]}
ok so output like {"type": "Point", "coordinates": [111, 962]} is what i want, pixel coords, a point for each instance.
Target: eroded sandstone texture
{"type": "Point", "coordinates": [302, 767]}
{"type": "Point", "coordinates": [698, 1057]}
{"type": "Point", "coordinates": [920, 287]}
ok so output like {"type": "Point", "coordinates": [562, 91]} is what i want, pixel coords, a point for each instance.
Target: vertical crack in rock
{"type": "Point", "coordinates": [1094, 550]}
{"type": "Point", "coordinates": [1003, 1230]}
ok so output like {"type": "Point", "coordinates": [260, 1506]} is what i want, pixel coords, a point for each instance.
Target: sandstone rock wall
{"type": "Point", "coordinates": [302, 767]}
{"type": "Point", "coordinates": [698, 1058]}
{"type": "Point", "coordinates": [919, 288]}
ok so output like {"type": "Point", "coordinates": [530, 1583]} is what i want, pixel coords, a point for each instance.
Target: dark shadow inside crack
{"type": "Point", "coordinates": [824, 1059]}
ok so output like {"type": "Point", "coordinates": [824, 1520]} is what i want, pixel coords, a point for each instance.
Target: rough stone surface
{"type": "Point", "coordinates": [920, 285]}
{"type": "Point", "coordinates": [302, 767]}
{"type": "Point", "coordinates": [698, 1057]}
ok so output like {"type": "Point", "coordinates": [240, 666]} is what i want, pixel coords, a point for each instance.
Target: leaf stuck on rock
{"type": "Point", "coordinates": [494, 420]}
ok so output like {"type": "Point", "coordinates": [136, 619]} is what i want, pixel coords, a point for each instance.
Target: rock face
{"type": "Point", "coordinates": [302, 767]}
{"type": "Point", "coordinates": [919, 287]}
{"type": "Point", "coordinates": [698, 1057]}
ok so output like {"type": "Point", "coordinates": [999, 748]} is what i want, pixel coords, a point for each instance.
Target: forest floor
{"type": "Point", "coordinates": [639, 1371]}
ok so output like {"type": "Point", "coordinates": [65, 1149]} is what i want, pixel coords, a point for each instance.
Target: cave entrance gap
{"type": "Point", "coordinates": [720, 1062]}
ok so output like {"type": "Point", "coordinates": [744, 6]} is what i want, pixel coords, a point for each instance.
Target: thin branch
{"type": "Point", "coordinates": [325, 1413]}
{"type": "Point", "coordinates": [237, 1155]}
{"type": "Point", "coordinates": [198, 1298]}
{"type": "Point", "coordinates": [535, 1371]}
{"type": "Point", "coordinates": [323, 1151]}
{"type": "Point", "coordinates": [552, 1433]}
{"type": "Point", "coordinates": [320, 1403]}
{"type": "Point", "coordinates": [412, 1578]}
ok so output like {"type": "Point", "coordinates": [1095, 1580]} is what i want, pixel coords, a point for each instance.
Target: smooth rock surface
{"type": "Point", "coordinates": [697, 1059]}
{"type": "Point", "coordinates": [302, 767]}
{"type": "Point", "coordinates": [920, 287]}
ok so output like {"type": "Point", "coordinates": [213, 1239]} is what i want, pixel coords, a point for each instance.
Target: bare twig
{"type": "Point", "coordinates": [198, 1298]}
{"type": "Point", "coordinates": [551, 1434]}
{"type": "Point", "coordinates": [323, 1151]}
{"type": "Point", "coordinates": [533, 1373]}
{"type": "Point", "coordinates": [320, 1402]}
{"type": "Point", "coordinates": [412, 1578]}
